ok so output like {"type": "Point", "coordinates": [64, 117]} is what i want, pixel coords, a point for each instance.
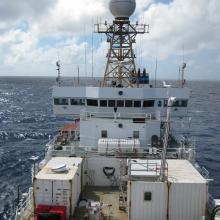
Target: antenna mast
{"type": "Point", "coordinates": [120, 68]}
{"type": "Point", "coordinates": [58, 79]}
{"type": "Point", "coordinates": [183, 81]}
{"type": "Point", "coordinates": [155, 80]}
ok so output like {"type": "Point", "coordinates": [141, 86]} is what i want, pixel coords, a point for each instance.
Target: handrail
{"type": "Point", "coordinates": [52, 141]}
{"type": "Point", "coordinates": [76, 149]}
{"type": "Point", "coordinates": [150, 166]}
{"type": "Point", "coordinates": [87, 115]}
{"type": "Point", "coordinates": [154, 167]}
{"type": "Point", "coordinates": [25, 203]}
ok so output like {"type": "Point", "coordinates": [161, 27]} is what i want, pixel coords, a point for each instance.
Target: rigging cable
{"type": "Point", "coordinates": [85, 61]}
{"type": "Point", "coordinates": [92, 51]}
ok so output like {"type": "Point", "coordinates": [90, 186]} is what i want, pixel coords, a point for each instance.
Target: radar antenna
{"type": "Point", "coordinates": [120, 68]}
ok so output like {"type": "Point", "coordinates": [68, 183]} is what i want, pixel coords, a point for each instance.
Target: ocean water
{"type": "Point", "coordinates": [27, 122]}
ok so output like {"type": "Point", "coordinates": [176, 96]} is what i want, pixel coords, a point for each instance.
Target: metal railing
{"type": "Point", "coordinates": [52, 141]}
{"type": "Point", "coordinates": [90, 146]}
{"type": "Point", "coordinates": [203, 171]}
{"type": "Point", "coordinates": [149, 168]}
{"type": "Point", "coordinates": [87, 115]}
{"type": "Point", "coordinates": [25, 206]}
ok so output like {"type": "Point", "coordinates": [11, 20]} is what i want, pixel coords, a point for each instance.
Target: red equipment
{"type": "Point", "coordinates": [50, 212]}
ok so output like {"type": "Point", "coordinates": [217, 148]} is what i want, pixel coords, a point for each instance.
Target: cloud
{"type": "Point", "coordinates": [218, 59]}
{"type": "Point", "coordinates": [23, 9]}
{"type": "Point", "coordinates": [192, 24]}
{"type": "Point", "coordinates": [142, 5]}
{"type": "Point", "coordinates": [33, 33]}
{"type": "Point", "coordinates": [71, 18]}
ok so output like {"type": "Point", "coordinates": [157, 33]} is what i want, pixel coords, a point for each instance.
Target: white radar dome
{"type": "Point", "coordinates": [122, 8]}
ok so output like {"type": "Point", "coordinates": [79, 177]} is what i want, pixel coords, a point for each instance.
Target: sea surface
{"type": "Point", "coordinates": [27, 122]}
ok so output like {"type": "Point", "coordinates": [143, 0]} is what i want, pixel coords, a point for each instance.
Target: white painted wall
{"type": "Point", "coordinates": [139, 209]}
{"type": "Point", "coordinates": [112, 93]}
{"type": "Point", "coordinates": [94, 167]}
{"type": "Point", "coordinates": [43, 192]}
{"type": "Point", "coordinates": [76, 187]}
{"type": "Point", "coordinates": [129, 93]}
{"type": "Point", "coordinates": [90, 130]}
{"type": "Point", "coordinates": [187, 201]}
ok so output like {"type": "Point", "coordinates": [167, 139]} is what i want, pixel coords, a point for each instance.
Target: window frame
{"type": "Point", "coordinates": [92, 100]}
{"type": "Point", "coordinates": [131, 102]}
{"type": "Point", "coordinates": [113, 101]}
{"type": "Point", "coordinates": [104, 134]}
{"type": "Point", "coordinates": [103, 100]}
{"type": "Point", "coordinates": [150, 104]}
{"type": "Point", "coordinates": [122, 102]}
{"type": "Point", "coordinates": [137, 101]}
{"type": "Point", "coordinates": [61, 101]}
{"type": "Point", "coordinates": [80, 101]}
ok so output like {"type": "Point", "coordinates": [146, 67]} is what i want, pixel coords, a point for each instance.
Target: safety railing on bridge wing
{"type": "Point", "coordinates": [87, 115]}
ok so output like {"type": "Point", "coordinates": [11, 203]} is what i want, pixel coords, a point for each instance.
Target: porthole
{"type": "Point", "coordinates": [120, 92]}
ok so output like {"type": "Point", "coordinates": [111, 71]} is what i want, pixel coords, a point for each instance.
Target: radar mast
{"type": "Point", "coordinates": [120, 68]}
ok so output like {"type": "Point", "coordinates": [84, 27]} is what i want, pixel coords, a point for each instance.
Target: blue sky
{"type": "Point", "coordinates": [34, 34]}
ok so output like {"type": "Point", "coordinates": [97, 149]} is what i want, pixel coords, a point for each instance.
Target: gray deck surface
{"type": "Point", "coordinates": [107, 195]}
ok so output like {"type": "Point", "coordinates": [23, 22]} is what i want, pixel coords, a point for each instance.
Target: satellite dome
{"type": "Point", "coordinates": [122, 8]}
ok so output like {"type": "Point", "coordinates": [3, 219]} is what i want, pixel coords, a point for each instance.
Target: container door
{"type": "Point", "coordinates": [43, 192]}
{"type": "Point", "coordinates": [147, 200]}
{"type": "Point", "coordinates": [187, 201]}
{"type": "Point", "coordinates": [62, 194]}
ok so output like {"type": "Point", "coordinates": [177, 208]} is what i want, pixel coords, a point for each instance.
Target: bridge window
{"type": "Point", "coordinates": [111, 103]}
{"type": "Point", "coordinates": [77, 101]}
{"type": "Point", "coordinates": [128, 103]}
{"type": "Point", "coordinates": [180, 103]}
{"type": "Point", "coordinates": [148, 103]}
{"type": "Point", "coordinates": [103, 103]}
{"type": "Point", "coordinates": [137, 104]}
{"type": "Point", "coordinates": [92, 102]}
{"type": "Point", "coordinates": [60, 101]}
{"type": "Point", "coordinates": [120, 103]}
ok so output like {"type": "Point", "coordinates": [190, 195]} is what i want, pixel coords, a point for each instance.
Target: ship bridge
{"type": "Point", "coordinates": [71, 100]}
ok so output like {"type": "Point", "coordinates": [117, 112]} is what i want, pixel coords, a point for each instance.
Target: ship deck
{"type": "Point", "coordinates": [107, 195]}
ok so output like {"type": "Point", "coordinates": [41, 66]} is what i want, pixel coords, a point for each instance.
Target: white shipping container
{"type": "Point", "coordinates": [188, 191]}
{"type": "Point", "coordinates": [59, 188]}
{"type": "Point", "coordinates": [183, 197]}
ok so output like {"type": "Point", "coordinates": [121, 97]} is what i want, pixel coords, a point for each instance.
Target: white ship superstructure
{"type": "Point", "coordinates": [118, 159]}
